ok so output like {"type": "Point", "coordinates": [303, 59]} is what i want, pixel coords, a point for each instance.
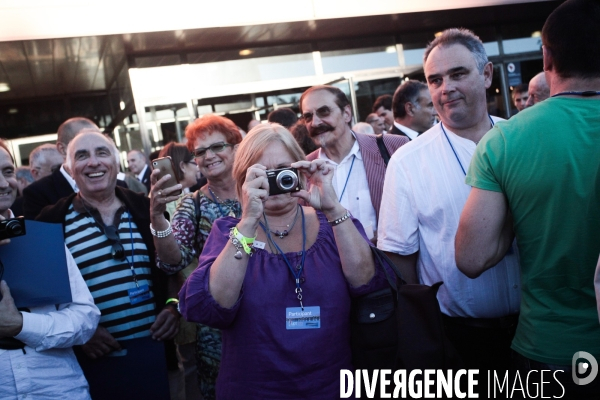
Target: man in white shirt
{"type": "Point", "coordinates": [425, 192]}
{"type": "Point", "coordinates": [139, 167]}
{"type": "Point", "coordinates": [358, 178]}
{"type": "Point", "coordinates": [413, 109]}
{"type": "Point", "coordinates": [45, 365]}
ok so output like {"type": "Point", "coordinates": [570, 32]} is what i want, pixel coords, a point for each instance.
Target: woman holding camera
{"type": "Point", "coordinates": [213, 141]}
{"type": "Point", "coordinates": [279, 281]}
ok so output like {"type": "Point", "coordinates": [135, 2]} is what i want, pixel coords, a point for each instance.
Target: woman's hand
{"type": "Point", "coordinates": [159, 196]}
{"type": "Point", "coordinates": [255, 191]}
{"type": "Point", "coordinates": [321, 194]}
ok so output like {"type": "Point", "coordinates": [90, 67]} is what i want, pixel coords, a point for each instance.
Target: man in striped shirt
{"type": "Point", "coordinates": [107, 232]}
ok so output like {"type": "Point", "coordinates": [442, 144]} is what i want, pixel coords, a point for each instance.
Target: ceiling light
{"type": "Point", "coordinates": [4, 87]}
{"type": "Point", "coordinates": [122, 105]}
{"type": "Point", "coordinates": [390, 49]}
{"type": "Point", "coordinates": [497, 90]}
{"type": "Point", "coordinates": [536, 34]}
{"type": "Point", "coordinates": [437, 34]}
{"type": "Point", "coordinates": [246, 52]}
{"type": "Point", "coordinates": [13, 110]}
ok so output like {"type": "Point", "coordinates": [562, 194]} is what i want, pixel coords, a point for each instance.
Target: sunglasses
{"type": "Point", "coordinates": [117, 250]}
{"type": "Point", "coordinates": [215, 148]}
{"type": "Point", "coordinates": [321, 112]}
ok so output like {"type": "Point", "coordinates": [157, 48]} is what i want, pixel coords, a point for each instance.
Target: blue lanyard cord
{"type": "Point", "coordinates": [295, 272]}
{"type": "Point", "coordinates": [452, 147]}
{"type": "Point", "coordinates": [132, 253]}
{"type": "Point", "coordinates": [347, 178]}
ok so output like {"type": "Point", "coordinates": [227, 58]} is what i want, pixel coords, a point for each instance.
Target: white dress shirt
{"type": "Point", "coordinates": [356, 197]}
{"type": "Point", "coordinates": [140, 176]}
{"type": "Point", "coordinates": [47, 368]}
{"type": "Point", "coordinates": [412, 134]}
{"type": "Point", "coordinates": [423, 196]}
{"type": "Point", "coordinates": [69, 178]}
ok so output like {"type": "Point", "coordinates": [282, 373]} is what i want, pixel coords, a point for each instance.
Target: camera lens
{"type": "Point", "coordinates": [287, 180]}
{"type": "Point", "coordinates": [14, 227]}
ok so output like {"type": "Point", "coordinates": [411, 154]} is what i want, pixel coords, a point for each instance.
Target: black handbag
{"type": "Point", "coordinates": [400, 327]}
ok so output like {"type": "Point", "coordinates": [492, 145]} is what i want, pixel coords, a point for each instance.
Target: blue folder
{"type": "Point", "coordinates": [35, 266]}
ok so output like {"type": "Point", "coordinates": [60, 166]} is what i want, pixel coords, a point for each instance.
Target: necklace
{"type": "Point", "coordinates": [214, 195]}
{"type": "Point", "coordinates": [587, 93]}
{"type": "Point", "coordinates": [217, 201]}
{"type": "Point", "coordinates": [285, 232]}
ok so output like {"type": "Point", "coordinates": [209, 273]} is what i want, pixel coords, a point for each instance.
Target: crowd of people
{"type": "Point", "coordinates": [234, 286]}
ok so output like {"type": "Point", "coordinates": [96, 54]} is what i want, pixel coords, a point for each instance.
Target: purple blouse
{"type": "Point", "coordinates": [261, 359]}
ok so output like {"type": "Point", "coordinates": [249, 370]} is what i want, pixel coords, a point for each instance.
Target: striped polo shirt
{"type": "Point", "coordinates": [109, 280]}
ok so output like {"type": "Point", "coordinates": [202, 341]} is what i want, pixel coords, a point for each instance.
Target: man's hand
{"type": "Point", "coordinates": [100, 344]}
{"type": "Point", "coordinates": [166, 325]}
{"type": "Point", "coordinates": [11, 320]}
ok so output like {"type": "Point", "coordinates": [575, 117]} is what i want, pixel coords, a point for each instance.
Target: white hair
{"type": "Point", "coordinates": [363, 127]}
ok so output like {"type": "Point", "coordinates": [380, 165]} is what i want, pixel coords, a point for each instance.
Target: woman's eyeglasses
{"type": "Point", "coordinates": [215, 148]}
{"type": "Point", "coordinates": [117, 250]}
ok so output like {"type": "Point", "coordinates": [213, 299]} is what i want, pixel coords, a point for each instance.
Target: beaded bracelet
{"type": "Point", "coordinates": [161, 234]}
{"type": "Point", "coordinates": [240, 242]}
{"type": "Point", "coordinates": [340, 220]}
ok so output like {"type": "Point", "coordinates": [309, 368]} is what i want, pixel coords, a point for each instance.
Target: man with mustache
{"type": "Point", "coordinates": [360, 168]}
{"type": "Point", "coordinates": [424, 194]}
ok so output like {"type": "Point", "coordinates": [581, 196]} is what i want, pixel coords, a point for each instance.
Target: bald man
{"type": "Point", "coordinates": [538, 90]}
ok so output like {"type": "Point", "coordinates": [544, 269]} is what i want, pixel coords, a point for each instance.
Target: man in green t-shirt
{"type": "Point", "coordinates": [537, 176]}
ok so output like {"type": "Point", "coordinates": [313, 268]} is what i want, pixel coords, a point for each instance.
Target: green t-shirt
{"type": "Point", "coordinates": [546, 160]}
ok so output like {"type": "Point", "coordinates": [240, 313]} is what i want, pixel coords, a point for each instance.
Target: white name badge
{"type": "Point", "coordinates": [297, 318]}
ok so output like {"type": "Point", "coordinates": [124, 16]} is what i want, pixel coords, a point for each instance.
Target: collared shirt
{"type": "Point", "coordinates": [412, 134]}
{"type": "Point", "coordinates": [108, 279]}
{"type": "Point", "coordinates": [424, 194]}
{"type": "Point", "coordinates": [48, 368]}
{"type": "Point", "coordinates": [356, 197]}
{"type": "Point", "coordinates": [140, 176]}
{"type": "Point", "coordinates": [69, 178]}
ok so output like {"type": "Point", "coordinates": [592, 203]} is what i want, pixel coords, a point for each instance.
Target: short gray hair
{"type": "Point", "coordinates": [111, 143]}
{"type": "Point", "coordinates": [463, 37]}
{"type": "Point", "coordinates": [38, 154]}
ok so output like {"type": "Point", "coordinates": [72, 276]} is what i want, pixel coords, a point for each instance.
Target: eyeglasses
{"type": "Point", "coordinates": [322, 112]}
{"type": "Point", "coordinates": [117, 251]}
{"type": "Point", "coordinates": [215, 148]}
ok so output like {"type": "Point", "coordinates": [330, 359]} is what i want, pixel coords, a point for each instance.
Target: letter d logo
{"type": "Point", "coordinates": [583, 367]}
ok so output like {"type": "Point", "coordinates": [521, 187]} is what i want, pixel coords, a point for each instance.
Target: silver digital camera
{"type": "Point", "coordinates": [283, 180]}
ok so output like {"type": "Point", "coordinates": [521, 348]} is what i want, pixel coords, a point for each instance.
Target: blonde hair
{"type": "Point", "coordinates": [253, 146]}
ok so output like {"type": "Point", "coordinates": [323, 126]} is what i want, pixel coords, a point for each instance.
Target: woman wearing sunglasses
{"type": "Point", "coordinates": [213, 141]}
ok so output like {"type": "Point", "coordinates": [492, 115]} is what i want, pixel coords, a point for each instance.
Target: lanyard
{"type": "Point", "coordinates": [587, 93]}
{"type": "Point", "coordinates": [347, 178]}
{"type": "Point", "coordinates": [452, 147]}
{"type": "Point", "coordinates": [102, 225]}
{"type": "Point", "coordinates": [298, 271]}
{"type": "Point", "coordinates": [132, 252]}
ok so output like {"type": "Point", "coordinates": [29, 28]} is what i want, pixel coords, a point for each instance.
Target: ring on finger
{"type": "Point", "coordinates": [160, 192]}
